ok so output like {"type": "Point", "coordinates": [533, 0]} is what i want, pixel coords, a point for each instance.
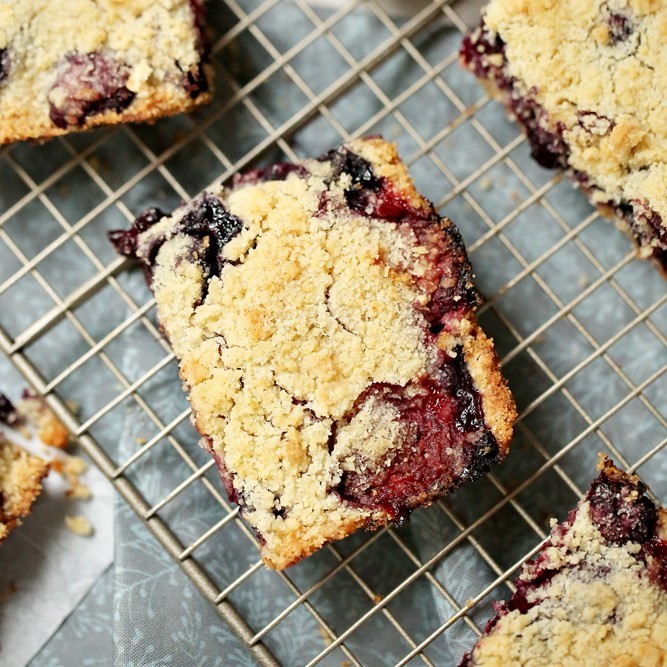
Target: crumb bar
{"type": "Point", "coordinates": [587, 81]}
{"type": "Point", "coordinates": [21, 475]}
{"type": "Point", "coordinates": [78, 64]}
{"type": "Point", "coordinates": [596, 594]}
{"type": "Point", "coordinates": [323, 316]}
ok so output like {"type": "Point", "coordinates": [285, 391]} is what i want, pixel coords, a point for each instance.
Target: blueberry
{"type": "Point", "coordinates": [620, 27]}
{"type": "Point", "coordinates": [4, 65]}
{"type": "Point", "coordinates": [209, 219]}
{"type": "Point", "coordinates": [125, 241]}
{"type": "Point", "coordinates": [88, 84]}
{"type": "Point", "coordinates": [194, 80]}
{"type": "Point", "coordinates": [364, 182]}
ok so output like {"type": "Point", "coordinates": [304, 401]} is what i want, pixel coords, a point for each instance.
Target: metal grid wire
{"type": "Point", "coordinates": [578, 322]}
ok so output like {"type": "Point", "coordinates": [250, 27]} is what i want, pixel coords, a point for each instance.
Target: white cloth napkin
{"type": "Point", "coordinates": [46, 569]}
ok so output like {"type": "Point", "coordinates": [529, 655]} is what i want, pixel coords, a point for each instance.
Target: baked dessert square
{"type": "Point", "coordinates": [21, 476]}
{"type": "Point", "coordinates": [324, 318]}
{"type": "Point", "coordinates": [74, 65]}
{"type": "Point", "coordinates": [587, 82]}
{"type": "Point", "coordinates": [596, 593]}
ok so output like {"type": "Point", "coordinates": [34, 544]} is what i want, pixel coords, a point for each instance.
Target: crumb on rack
{"type": "Point", "coordinates": [79, 524]}
{"type": "Point", "coordinates": [70, 468]}
{"type": "Point", "coordinates": [326, 638]}
{"type": "Point", "coordinates": [79, 492]}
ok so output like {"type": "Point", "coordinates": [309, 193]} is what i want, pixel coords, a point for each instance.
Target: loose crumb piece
{"type": "Point", "coordinates": [72, 467]}
{"type": "Point", "coordinates": [79, 492]}
{"type": "Point", "coordinates": [50, 430]}
{"type": "Point", "coordinates": [79, 524]}
{"type": "Point", "coordinates": [326, 638]}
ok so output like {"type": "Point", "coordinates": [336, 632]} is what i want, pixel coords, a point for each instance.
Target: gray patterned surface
{"type": "Point", "coordinates": [85, 638]}
{"type": "Point", "coordinates": [159, 618]}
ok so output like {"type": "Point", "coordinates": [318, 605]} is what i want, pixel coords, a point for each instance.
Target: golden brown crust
{"type": "Point", "coordinates": [157, 43]}
{"type": "Point", "coordinates": [21, 474]}
{"type": "Point", "coordinates": [157, 106]}
{"type": "Point", "coordinates": [386, 163]}
{"type": "Point", "coordinates": [484, 367]}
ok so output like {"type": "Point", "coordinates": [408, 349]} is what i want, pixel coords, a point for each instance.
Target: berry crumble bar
{"type": "Point", "coordinates": [587, 81]}
{"type": "Point", "coordinates": [74, 65]}
{"type": "Point", "coordinates": [323, 316]}
{"type": "Point", "coordinates": [596, 594]}
{"type": "Point", "coordinates": [21, 475]}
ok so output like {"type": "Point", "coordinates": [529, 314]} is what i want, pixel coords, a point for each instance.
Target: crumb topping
{"type": "Point", "coordinates": [155, 41]}
{"type": "Point", "coordinates": [598, 68]}
{"type": "Point", "coordinates": [288, 337]}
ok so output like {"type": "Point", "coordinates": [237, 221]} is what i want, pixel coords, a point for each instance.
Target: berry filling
{"type": "Point", "coordinates": [274, 172]}
{"type": "Point", "coordinates": [547, 146]}
{"type": "Point", "coordinates": [207, 221]}
{"type": "Point", "coordinates": [621, 512]}
{"type": "Point", "coordinates": [86, 85]}
{"type": "Point", "coordinates": [194, 80]}
{"type": "Point", "coordinates": [367, 193]}
{"type": "Point", "coordinates": [125, 241]}
{"type": "Point", "coordinates": [446, 443]}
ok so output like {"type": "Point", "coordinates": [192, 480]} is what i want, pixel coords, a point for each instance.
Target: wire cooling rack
{"type": "Point", "coordinates": [579, 323]}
